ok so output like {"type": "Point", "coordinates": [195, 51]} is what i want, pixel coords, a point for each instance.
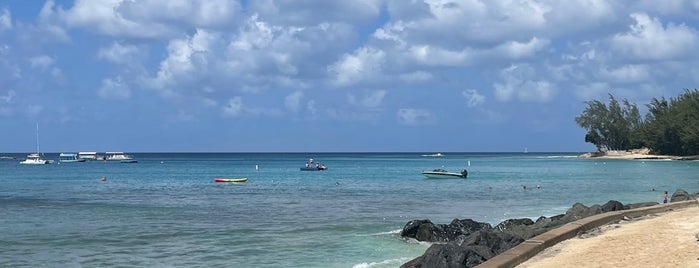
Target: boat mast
{"type": "Point", "coordinates": [37, 137]}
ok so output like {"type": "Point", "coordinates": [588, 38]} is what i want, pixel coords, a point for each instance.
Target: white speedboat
{"type": "Point", "coordinates": [119, 156]}
{"type": "Point", "coordinates": [34, 159]}
{"type": "Point", "coordinates": [443, 174]}
{"type": "Point", "coordinates": [434, 155]}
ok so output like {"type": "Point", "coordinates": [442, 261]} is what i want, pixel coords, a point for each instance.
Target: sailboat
{"type": "Point", "coordinates": [35, 158]}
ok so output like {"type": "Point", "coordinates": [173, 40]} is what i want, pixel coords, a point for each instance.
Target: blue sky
{"type": "Point", "coordinates": [307, 76]}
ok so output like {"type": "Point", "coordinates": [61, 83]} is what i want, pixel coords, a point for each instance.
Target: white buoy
{"type": "Point", "coordinates": [257, 168]}
{"type": "Point", "coordinates": [469, 163]}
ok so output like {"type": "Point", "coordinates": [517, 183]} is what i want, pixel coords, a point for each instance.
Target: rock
{"type": "Point", "coordinates": [579, 211]}
{"type": "Point", "coordinates": [509, 224]}
{"type": "Point", "coordinates": [425, 230]}
{"type": "Point", "coordinates": [466, 251]}
{"type": "Point", "coordinates": [410, 228]}
{"type": "Point", "coordinates": [680, 195]}
{"type": "Point", "coordinates": [612, 205]}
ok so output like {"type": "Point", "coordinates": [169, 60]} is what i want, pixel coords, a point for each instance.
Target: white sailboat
{"type": "Point", "coordinates": [35, 158]}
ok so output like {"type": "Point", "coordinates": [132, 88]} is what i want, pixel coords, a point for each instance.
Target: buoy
{"type": "Point", "coordinates": [257, 168]}
{"type": "Point", "coordinates": [103, 178]}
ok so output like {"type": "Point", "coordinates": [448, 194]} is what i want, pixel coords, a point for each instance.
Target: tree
{"type": "Point", "coordinates": [611, 127]}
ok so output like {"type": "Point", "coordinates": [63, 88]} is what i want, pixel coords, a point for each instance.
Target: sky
{"type": "Point", "coordinates": [331, 76]}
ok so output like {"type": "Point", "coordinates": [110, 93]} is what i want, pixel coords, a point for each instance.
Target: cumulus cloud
{"type": "Point", "coordinates": [414, 117]}
{"type": "Point", "coordinates": [120, 53]}
{"type": "Point", "coordinates": [114, 89]}
{"type": "Point", "coordinates": [306, 13]}
{"type": "Point", "coordinates": [9, 97]}
{"type": "Point", "coordinates": [629, 73]}
{"type": "Point", "coordinates": [473, 98]}
{"type": "Point", "coordinates": [292, 102]}
{"type": "Point", "coordinates": [371, 100]}
{"type": "Point", "coordinates": [648, 39]}
{"type": "Point", "coordinates": [5, 20]}
{"type": "Point", "coordinates": [145, 19]}
{"type": "Point", "coordinates": [364, 64]}
{"type": "Point", "coordinates": [518, 83]}
{"type": "Point", "coordinates": [234, 107]}
{"type": "Point", "coordinates": [41, 62]}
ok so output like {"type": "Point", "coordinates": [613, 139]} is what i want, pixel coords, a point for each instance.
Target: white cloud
{"type": "Point", "coordinates": [364, 64]}
{"type": "Point", "coordinates": [518, 84]}
{"type": "Point", "coordinates": [121, 53]}
{"type": "Point", "coordinates": [630, 73]}
{"type": "Point", "coordinates": [648, 39]}
{"type": "Point", "coordinates": [187, 59]}
{"type": "Point", "coordinates": [5, 20]}
{"type": "Point", "coordinates": [147, 18]}
{"type": "Point", "coordinates": [305, 13]}
{"type": "Point", "coordinates": [41, 62]}
{"type": "Point", "coordinates": [417, 76]}
{"type": "Point", "coordinates": [473, 98]}
{"type": "Point", "coordinates": [371, 100]}
{"type": "Point", "coordinates": [292, 102]}
{"type": "Point", "coordinates": [414, 117]}
{"type": "Point", "coordinates": [9, 97]}
{"type": "Point", "coordinates": [234, 107]}
{"type": "Point", "coordinates": [114, 89]}
{"type": "Point", "coordinates": [33, 109]}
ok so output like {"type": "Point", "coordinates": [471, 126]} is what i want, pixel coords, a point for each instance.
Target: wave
{"type": "Point", "coordinates": [392, 232]}
{"type": "Point", "coordinates": [384, 263]}
{"type": "Point", "coordinates": [558, 156]}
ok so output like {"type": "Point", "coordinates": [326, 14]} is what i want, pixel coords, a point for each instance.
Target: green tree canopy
{"type": "Point", "coordinates": [610, 126]}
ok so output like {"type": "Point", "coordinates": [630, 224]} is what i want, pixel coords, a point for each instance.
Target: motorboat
{"type": "Point", "coordinates": [90, 156]}
{"type": "Point", "coordinates": [443, 174]}
{"type": "Point", "coordinates": [34, 159]}
{"type": "Point", "coordinates": [119, 156]}
{"type": "Point", "coordinates": [312, 165]}
{"type": "Point", "coordinates": [70, 158]}
{"type": "Point", "coordinates": [434, 155]}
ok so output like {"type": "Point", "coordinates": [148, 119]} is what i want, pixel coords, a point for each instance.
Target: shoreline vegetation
{"type": "Point", "coordinates": [636, 154]}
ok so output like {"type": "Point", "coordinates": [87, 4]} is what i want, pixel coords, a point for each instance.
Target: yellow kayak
{"type": "Point", "coordinates": [230, 179]}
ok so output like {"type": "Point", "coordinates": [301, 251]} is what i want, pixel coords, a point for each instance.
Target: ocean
{"type": "Point", "coordinates": [166, 210]}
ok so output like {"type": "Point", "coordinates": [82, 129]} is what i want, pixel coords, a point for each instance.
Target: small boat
{"type": "Point", "coordinates": [312, 165]}
{"type": "Point", "coordinates": [90, 156]}
{"type": "Point", "coordinates": [434, 155]}
{"type": "Point", "coordinates": [230, 179]}
{"type": "Point", "coordinates": [119, 156]}
{"type": "Point", "coordinates": [443, 174]}
{"type": "Point", "coordinates": [70, 158]}
{"type": "Point", "coordinates": [34, 159]}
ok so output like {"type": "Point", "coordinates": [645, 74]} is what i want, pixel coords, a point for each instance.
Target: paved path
{"type": "Point", "coordinates": [665, 240]}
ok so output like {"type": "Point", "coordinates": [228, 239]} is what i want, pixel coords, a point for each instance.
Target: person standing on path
{"type": "Point", "coordinates": [665, 198]}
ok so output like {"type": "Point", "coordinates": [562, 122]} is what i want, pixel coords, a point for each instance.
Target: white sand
{"type": "Point", "coordinates": [668, 240]}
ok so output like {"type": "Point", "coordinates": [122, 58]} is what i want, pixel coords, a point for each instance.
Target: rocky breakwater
{"type": "Point", "coordinates": [467, 243]}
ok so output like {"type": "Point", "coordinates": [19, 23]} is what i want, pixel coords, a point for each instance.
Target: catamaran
{"type": "Point", "coordinates": [35, 158]}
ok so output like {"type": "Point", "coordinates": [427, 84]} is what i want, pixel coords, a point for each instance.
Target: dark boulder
{"type": "Point", "coordinates": [680, 195]}
{"type": "Point", "coordinates": [466, 251]}
{"type": "Point", "coordinates": [612, 205]}
{"type": "Point", "coordinates": [579, 211]}
{"type": "Point", "coordinates": [425, 230]}
{"type": "Point", "coordinates": [509, 224]}
{"type": "Point", "coordinates": [410, 228]}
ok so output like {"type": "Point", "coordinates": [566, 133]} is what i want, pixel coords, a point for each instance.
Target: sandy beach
{"type": "Point", "coordinates": [661, 240]}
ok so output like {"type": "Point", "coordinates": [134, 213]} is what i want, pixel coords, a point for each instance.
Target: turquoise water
{"type": "Point", "coordinates": [167, 211]}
